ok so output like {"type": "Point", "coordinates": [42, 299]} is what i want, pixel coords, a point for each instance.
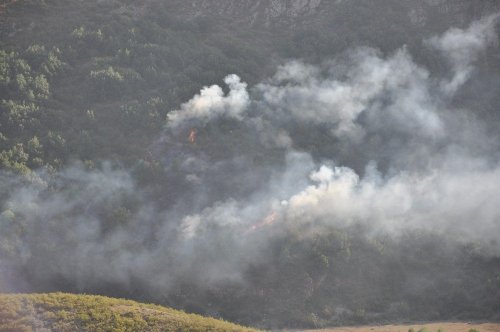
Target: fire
{"type": "Point", "coordinates": [268, 220]}
{"type": "Point", "coordinates": [192, 136]}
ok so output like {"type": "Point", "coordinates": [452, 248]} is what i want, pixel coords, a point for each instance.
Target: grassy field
{"type": "Point", "coordinates": [69, 312]}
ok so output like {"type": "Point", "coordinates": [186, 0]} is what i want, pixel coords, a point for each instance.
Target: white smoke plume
{"type": "Point", "coordinates": [211, 103]}
{"type": "Point", "coordinates": [450, 201]}
{"type": "Point", "coordinates": [370, 103]}
{"type": "Point", "coordinates": [396, 89]}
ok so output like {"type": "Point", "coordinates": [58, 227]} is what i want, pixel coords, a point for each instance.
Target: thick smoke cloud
{"type": "Point", "coordinates": [453, 201]}
{"type": "Point", "coordinates": [389, 152]}
{"type": "Point", "coordinates": [211, 102]}
{"type": "Point", "coordinates": [394, 85]}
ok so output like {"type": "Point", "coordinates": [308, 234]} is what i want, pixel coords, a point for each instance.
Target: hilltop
{"type": "Point", "coordinates": [70, 312]}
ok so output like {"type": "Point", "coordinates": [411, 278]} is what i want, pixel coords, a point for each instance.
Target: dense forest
{"type": "Point", "coordinates": [276, 163]}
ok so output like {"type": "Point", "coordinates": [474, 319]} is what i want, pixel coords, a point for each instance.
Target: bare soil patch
{"type": "Point", "coordinates": [431, 327]}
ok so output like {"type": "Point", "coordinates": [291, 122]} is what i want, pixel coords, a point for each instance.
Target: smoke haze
{"type": "Point", "coordinates": [364, 138]}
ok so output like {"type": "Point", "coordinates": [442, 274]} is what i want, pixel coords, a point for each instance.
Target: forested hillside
{"type": "Point", "coordinates": [276, 163]}
{"type": "Point", "coordinates": [92, 80]}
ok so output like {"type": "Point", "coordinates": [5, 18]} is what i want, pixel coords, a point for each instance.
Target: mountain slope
{"type": "Point", "coordinates": [101, 193]}
{"type": "Point", "coordinates": [94, 80]}
{"type": "Point", "coordinates": [69, 312]}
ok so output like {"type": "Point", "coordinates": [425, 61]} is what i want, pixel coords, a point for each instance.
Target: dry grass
{"type": "Point", "coordinates": [70, 312]}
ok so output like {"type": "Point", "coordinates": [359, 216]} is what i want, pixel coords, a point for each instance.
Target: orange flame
{"type": "Point", "coordinates": [268, 220]}
{"type": "Point", "coordinates": [192, 136]}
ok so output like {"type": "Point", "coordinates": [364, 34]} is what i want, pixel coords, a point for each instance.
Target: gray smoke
{"type": "Point", "coordinates": [462, 47]}
{"type": "Point", "coordinates": [361, 139]}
